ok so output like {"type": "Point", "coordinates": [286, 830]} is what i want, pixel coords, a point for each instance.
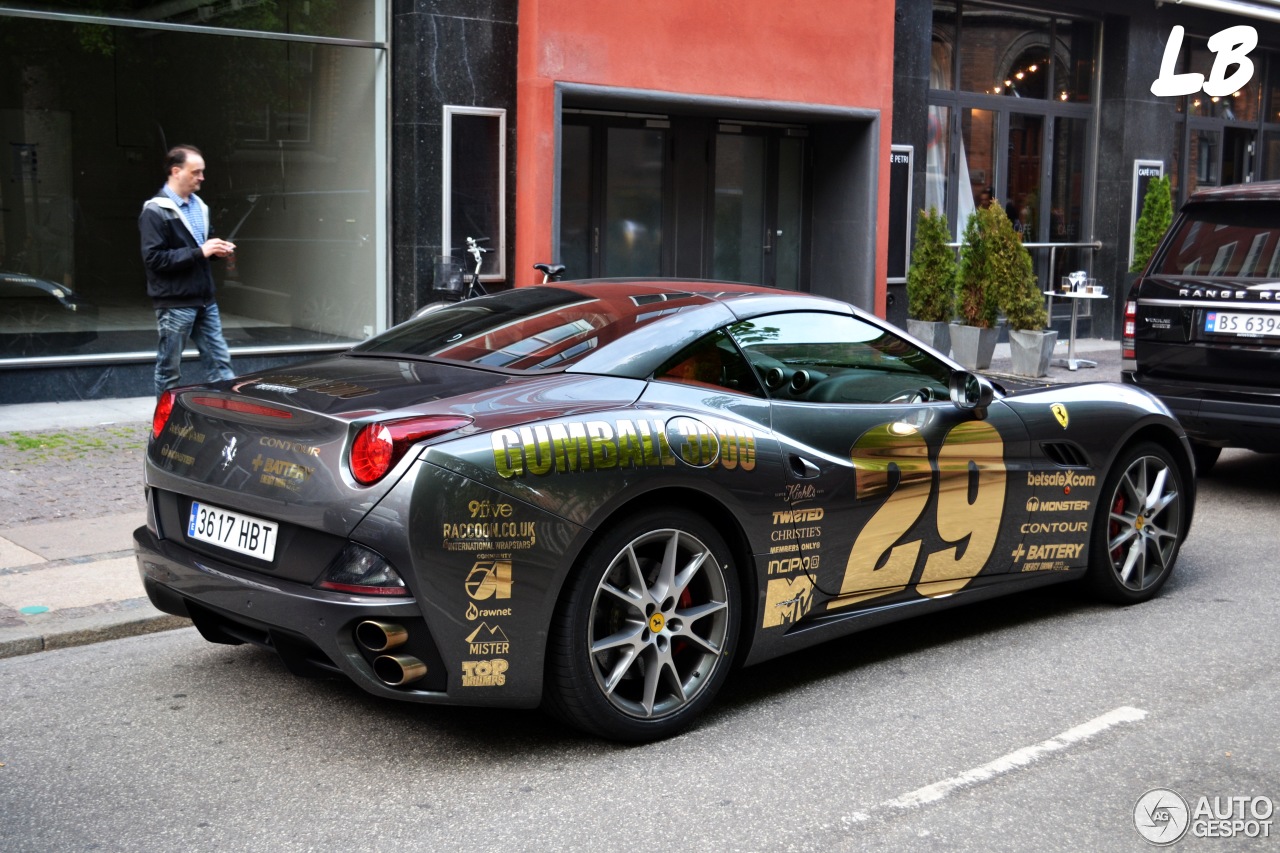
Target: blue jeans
{"type": "Point", "coordinates": [204, 326]}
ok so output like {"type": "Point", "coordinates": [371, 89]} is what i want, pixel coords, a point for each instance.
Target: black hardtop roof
{"type": "Point", "coordinates": [1260, 191]}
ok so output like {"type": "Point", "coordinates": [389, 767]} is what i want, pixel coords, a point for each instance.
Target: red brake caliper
{"type": "Point", "coordinates": [1113, 528]}
{"type": "Point", "coordinates": [685, 600]}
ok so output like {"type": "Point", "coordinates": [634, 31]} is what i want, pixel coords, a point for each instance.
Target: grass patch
{"type": "Point", "coordinates": [72, 444]}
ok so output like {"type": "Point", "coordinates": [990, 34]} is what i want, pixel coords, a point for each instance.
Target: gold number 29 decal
{"type": "Point", "coordinates": [971, 486]}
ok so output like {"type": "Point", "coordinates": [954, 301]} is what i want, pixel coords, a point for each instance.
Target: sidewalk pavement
{"type": "Point", "coordinates": [71, 582]}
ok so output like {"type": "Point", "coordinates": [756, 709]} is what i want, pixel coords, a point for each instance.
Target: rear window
{"type": "Point", "coordinates": [1226, 240]}
{"type": "Point", "coordinates": [529, 328]}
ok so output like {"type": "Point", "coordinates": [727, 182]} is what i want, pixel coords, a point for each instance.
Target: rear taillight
{"type": "Point", "coordinates": [379, 446]}
{"type": "Point", "coordinates": [361, 571]}
{"type": "Point", "coordinates": [1127, 346]}
{"type": "Point", "coordinates": [164, 407]}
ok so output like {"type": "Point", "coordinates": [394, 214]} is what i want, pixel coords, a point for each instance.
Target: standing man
{"type": "Point", "coordinates": [176, 248]}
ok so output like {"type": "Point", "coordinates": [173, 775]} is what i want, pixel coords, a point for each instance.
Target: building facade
{"type": "Point", "coordinates": [1050, 107]}
{"type": "Point", "coordinates": [349, 145]}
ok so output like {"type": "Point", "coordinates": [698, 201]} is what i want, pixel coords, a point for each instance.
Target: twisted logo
{"type": "Point", "coordinates": [1161, 816]}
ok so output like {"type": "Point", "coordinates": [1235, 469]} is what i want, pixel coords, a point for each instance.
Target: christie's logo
{"type": "Point", "coordinates": [1062, 478]}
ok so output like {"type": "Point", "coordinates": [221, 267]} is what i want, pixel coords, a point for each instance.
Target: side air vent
{"type": "Point", "coordinates": [1067, 454]}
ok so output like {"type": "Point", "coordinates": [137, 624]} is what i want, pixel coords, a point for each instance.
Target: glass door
{"type": "Point", "coordinates": [757, 209]}
{"type": "Point", "coordinates": [1024, 141]}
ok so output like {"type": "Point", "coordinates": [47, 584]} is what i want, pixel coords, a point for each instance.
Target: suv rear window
{"type": "Point", "coordinates": [1226, 241]}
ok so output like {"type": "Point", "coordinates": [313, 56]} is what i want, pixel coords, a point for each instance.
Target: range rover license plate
{"type": "Point", "coordinates": [1235, 323]}
{"type": "Point", "coordinates": [244, 534]}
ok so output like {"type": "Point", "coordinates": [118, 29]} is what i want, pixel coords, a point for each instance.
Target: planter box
{"type": "Point", "coordinates": [934, 334]}
{"type": "Point", "coordinates": [1031, 351]}
{"type": "Point", "coordinates": [973, 347]}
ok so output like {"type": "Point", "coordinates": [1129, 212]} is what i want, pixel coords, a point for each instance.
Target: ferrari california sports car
{"type": "Point", "coordinates": [599, 497]}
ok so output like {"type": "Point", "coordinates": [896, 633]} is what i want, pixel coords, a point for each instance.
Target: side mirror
{"type": "Point", "coordinates": [970, 392]}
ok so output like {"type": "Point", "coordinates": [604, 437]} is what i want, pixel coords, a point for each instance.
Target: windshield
{"type": "Point", "coordinates": [529, 328]}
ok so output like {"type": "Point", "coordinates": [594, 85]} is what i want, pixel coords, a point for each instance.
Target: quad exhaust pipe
{"type": "Point", "coordinates": [399, 670]}
{"type": "Point", "coordinates": [380, 636]}
{"type": "Point", "coordinates": [394, 670]}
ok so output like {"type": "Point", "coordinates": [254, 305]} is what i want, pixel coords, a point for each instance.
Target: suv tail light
{"type": "Point", "coordinates": [379, 446]}
{"type": "Point", "coordinates": [1127, 347]}
{"type": "Point", "coordinates": [164, 408]}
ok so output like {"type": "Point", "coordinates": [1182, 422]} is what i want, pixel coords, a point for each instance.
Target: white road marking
{"type": "Point", "coordinates": [1005, 763]}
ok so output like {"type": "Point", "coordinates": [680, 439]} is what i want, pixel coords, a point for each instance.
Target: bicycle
{"type": "Point", "coordinates": [550, 272]}
{"type": "Point", "coordinates": [447, 282]}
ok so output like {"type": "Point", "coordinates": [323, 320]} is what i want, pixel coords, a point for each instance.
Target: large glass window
{"type": "Point", "coordinates": [290, 133]}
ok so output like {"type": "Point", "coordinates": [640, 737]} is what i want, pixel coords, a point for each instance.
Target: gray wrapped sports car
{"type": "Point", "coordinates": [599, 496]}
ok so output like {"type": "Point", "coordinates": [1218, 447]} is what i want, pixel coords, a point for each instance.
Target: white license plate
{"type": "Point", "coordinates": [1235, 323]}
{"type": "Point", "coordinates": [234, 531]}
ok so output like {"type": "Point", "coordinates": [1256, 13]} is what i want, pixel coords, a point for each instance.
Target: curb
{"type": "Point", "coordinates": [85, 631]}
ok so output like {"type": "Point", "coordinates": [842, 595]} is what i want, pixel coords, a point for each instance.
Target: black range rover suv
{"type": "Point", "coordinates": [1202, 323]}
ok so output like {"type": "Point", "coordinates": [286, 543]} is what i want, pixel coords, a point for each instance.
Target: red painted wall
{"type": "Point", "coordinates": [833, 52]}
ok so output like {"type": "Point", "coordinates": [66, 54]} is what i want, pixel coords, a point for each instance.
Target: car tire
{"type": "Point", "coordinates": [647, 629]}
{"type": "Point", "coordinates": [1206, 456]}
{"type": "Point", "coordinates": [1138, 527]}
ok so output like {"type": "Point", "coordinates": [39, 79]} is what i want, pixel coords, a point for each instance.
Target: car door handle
{"type": "Point", "coordinates": [803, 468]}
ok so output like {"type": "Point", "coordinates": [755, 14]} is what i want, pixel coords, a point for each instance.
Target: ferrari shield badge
{"type": "Point", "coordinates": [1060, 412]}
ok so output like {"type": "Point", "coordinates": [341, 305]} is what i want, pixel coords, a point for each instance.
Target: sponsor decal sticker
{"type": "Point", "coordinates": [489, 579]}
{"type": "Point", "coordinates": [186, 432]}
{"type": "Point", "coordinates": [787, 600]}
{"type": "Point", "coordinates": [484, 673]}
{"type": "Point", "coordinates": [1054, 551]}
{"type": "Point", "coordinates": [169, 453]}
{"type": "Point", "coordinates": [1034, 504]}
{"type": "Point", "coordinates": [285, 444]}
{"type": "Point", "coordinates": [1064, 479]}
{"type": "Point", "coordinates": [486, 641]}
{"type": "Point", "coordinates": [575, 447]}
{"type": "Point", "coordinates": [790, 565]}
{"type": "Point", "coordinates": [288, 383]}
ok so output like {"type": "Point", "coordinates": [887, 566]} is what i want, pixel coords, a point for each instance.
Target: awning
{"type": "Point", "coordinates": [1266, 10]}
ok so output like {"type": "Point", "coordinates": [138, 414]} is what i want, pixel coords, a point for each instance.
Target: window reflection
{"type": "Point", "coordinates": [287, 129]}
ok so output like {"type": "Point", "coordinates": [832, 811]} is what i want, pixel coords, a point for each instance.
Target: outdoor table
{"type": "Point", "coordinates": [1071, 362]}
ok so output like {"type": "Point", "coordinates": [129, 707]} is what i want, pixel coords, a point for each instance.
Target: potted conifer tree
{"type": "Point", "coordinates": [1157, 215]}
{"type": "Point", "coordinates": [1030, 342]}
{"type": "Point", "coordinates": [973, 339]}
{"type": "Point", "coordinates": [931, 281]}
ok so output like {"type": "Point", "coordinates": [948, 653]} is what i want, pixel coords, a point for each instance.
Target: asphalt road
{"type": "Point", "coordinates": [1028, 723]}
